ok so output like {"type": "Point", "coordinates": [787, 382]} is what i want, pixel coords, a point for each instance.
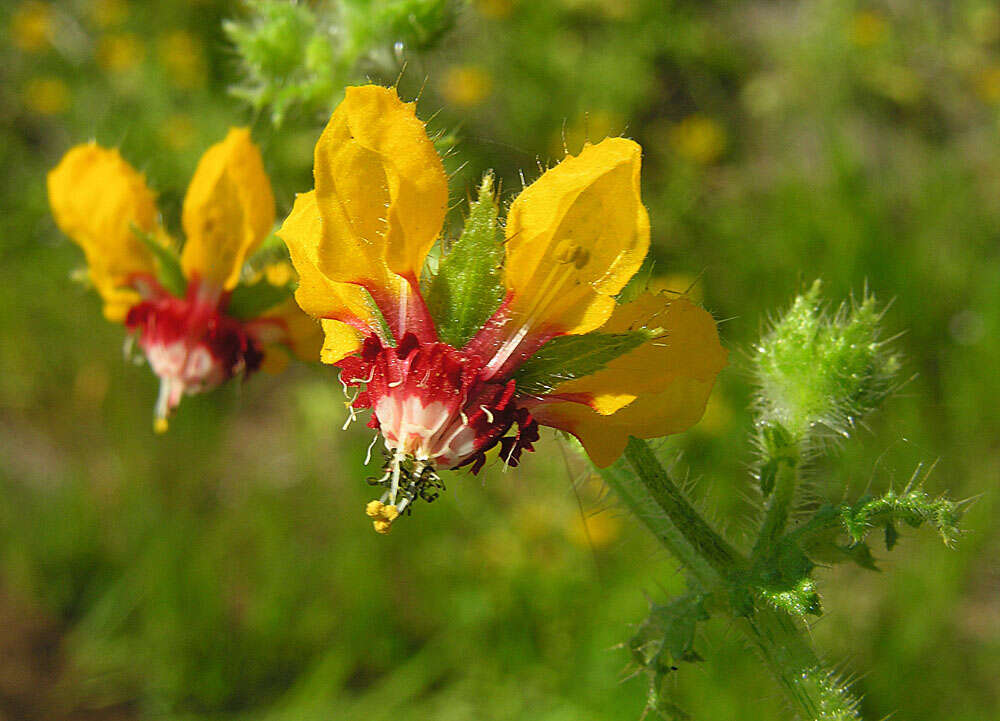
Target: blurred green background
{"type": "Point", "coordinates": [226, 570]}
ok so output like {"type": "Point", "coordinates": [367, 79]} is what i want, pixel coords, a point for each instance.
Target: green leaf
{"type": "Point", "coordinates": [469, 285]}
{"type": "Point", "coordinates": [574, 356]}
{"type": "Point", "coordinates": [250, 301]}
{"type": "Point", "coordinates": [168, 264]}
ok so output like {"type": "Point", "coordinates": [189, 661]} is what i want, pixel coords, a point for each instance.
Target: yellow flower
{"type": "Point", "coordinates": [47, 96]}
{"type": "Point", "coordinates": [495, 9]}
{"type": "Point", "coordinates": [108, 13]}
{"type": "Point", "coordinates": [574, 239]}
{"type": "Point", "coordinates": [988, 84]}
{"type": "Point", "coordinates": [698, 138]}
{"type": "Point", "coordinates": [120, 53]}
{"type": "Point", "coordinates": [31, 26]}
{"type": "Point", "coordinates": [867, 29]}
{"type": "Point", "coordinates": [467, 85]}
{"type": "Point", "coordinates": [188, 314]}
{"type": "Point", "coordinates": [183, 58]}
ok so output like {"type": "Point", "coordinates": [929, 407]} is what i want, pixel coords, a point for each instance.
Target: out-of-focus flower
{"type": "Point", "coordinates": [988, 84]}
{"type": "Point", "coordinates": [197, 326]}
{"type": "Point", "coordinates": [867, 29]}
{"type": "Point", "coordinates": [574, 239]}
{"type": "Point", "coordinates": [109, 13]}
{"type": "Point", "coordinates": [596, 530]}
{"type": "Point", "coordinates": [183, 57]}
{"type": "Point", "coordinates": [120, 52]}
{"type": "Point", "coordinates": [31, 26]}
{"type": "Point", "coordinates": [47, 95]}
{"type": "Point", "coordinates": [178, 131]}
{"type": "Point", "coordinates": [698, 138]}
{"type": "Point", "coordinates": [495, 9]}
{"type": "Point", "coordinates": [466, 85]}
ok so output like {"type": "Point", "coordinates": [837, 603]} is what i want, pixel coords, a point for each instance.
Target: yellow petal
{"type": "Point", "coordinates": [340, 340]}
{"type": "Point", "coordinates": [674, 410]}
{"type": "Point", "coordinates": [381, 190]}
{"type": "Point", "coordinates": [228, 210]}
{"type": "Point", "coordinates": [97, 198]}
{"type": "Point", "coordinates": [317, 295]}
{"type": "Point", "coordinates": [657, 389]}
{"type": "Point", "coordinates": [575, 237]}
{"type": "Point", "coordinates": [688, 347]}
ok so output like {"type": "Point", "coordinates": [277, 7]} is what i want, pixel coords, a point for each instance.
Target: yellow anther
{"type": "Point", "coordinates": [382, 515]}
{"type": "Point", "coordinates": [160, 425]}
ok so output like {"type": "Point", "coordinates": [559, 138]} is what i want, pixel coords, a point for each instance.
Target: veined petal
{"type": "Point", "coordinates": [657, 389]}
{"type": "Point", "coordinates": [346, 308]}
{"type": "Point", "coordinates": [97, 198]}
{"type": "Point", "coordinates": [574, 238]}
{"type": "Point", "coordinates": [228, 210]}
{"type": "Point", "coordinates": [382, 193]}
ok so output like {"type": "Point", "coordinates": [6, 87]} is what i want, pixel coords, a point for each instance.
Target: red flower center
{"type": "Point", "coordinates": [433, 405]}
{"type": "Point", "coordinates": [190, 343]}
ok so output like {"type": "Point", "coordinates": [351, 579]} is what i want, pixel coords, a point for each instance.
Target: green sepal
{"type": "Point", "coordinates": [574, 356]}
{"type": "Point", "coordinates": [468, 287]}
{"type": "Point", "coordinates": [251, 301]}
{"type": "Point", "coordinates": [168, 265]}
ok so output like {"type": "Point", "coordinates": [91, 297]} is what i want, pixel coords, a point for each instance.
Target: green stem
{"type": "Point", "coordinates": [786, 459]}
{"type": "Point", "coordinates": [655, 499]}
{"type": "Point", "coordinates": [791, 659]}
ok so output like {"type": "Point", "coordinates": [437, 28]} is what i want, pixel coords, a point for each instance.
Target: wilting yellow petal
{"type": "Point", "coordinates": [657, 389]}
{"type": "Point", "coordinates": [381, 190]}
{"type": "Point", "coordinates": [228, 210]}
{"type": "Point", "coordinates": [317, 295]}
{"type": "Point", "coordinates": [97, 199]}
{"type": "Point", "coordinates": [574, 238]}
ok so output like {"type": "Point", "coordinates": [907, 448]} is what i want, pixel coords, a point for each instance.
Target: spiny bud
{"type": "Point", "coordinates": [822, 371]}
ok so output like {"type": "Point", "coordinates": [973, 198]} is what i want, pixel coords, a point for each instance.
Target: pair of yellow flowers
{"type": "Point", "coordinates": [359, 241]}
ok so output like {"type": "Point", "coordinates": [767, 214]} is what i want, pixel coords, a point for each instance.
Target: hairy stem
{"type": "Point", "coordinates": [779, 504]}
{"type": "Point", "coordinates": [651, 494]}
{"type": "Point", "coordinates": [789, 656]}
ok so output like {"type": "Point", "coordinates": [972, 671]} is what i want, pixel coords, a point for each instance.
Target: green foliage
{"type": "Point", "coordinates": [573, 356]}
{"type": "Point", "coordinates": [468, 286]}
{"type": "Point", "coordinates": [295, 55]}
{"type": "Point", "coordinates": [287, 57]}
{"type": "Point", "coordinates": [664, 638]}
